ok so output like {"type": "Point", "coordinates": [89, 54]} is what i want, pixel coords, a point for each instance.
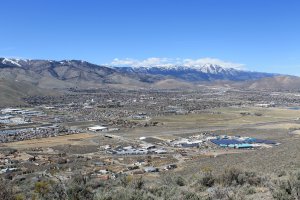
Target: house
{"type": "Point", "coordinates": [190, 145]}
{"type": "Point", "coordinates": [265, 105]}
{"type": "Point", "coordinates": [17, 120]}
{"type": "Point", "coordinates": [131, 151]}
{"type": "Point", "coordinates": [147, 146]}
{"type": "Point", "coordinates": [150, 169]}
{"type": "Point", "coordinates": [103, 171]}
{"type": "Point", "coordinates": [171, 166]}
{"type": "Point", "coordinates": [10, 110]}
{"type": "Point", "coordinates": [160, 151]}
{"type": "Point", "coordinates": [97, 128]}
{"type": "Point", "coordinates": [5, 117]}
{"type": "Point", "coordinates": [7, 170]}
{"type": "Point", "coordinates": [138, 117]}
{"type": "Point", "coordinates": [140, 162]}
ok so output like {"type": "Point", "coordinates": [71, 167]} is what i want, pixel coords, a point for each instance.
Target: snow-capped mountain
{"type": "Point", "coordinates": [19, 77]}
{"type": "Point", "coordinates": [11, 62]}
{"type": "Point", "coordinates": [23, 63]}
{"type": "Point", "coordinates": [84, 71]}
{"type": "Point", "coordinates": [215, 69]}
{"type": "Point", "coordinates": [51, 73]}
{"type": "Point", "coordinates": [206, 72]}
{"type": "Point", "coordinates": [206, 68]}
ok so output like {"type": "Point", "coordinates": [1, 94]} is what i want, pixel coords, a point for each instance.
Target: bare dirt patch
{"type": "Point", "coordinates": [75, 139]}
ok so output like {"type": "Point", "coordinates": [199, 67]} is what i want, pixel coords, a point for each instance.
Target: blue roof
{"type": "Point", "coordinates": [240, 144]}
{"type": "Point", "coordinates": [225, 141]}
{"type": "Point", "coordinates": [264, 141]}
{"type": "Point", "coordinates": [245, 145]}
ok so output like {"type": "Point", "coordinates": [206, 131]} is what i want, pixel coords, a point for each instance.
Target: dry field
{"type": "Point", "coordinates": [230, 117]}
{"type": "Point", "coordinates": [75, 139]}
{"type": "Point", "coordinates": [216, 120]}
{"type": "Point", "coordinates": [273, 124]}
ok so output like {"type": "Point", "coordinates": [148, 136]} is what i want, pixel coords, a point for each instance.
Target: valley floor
{"type": "Point", "coordinates": [154, 145]}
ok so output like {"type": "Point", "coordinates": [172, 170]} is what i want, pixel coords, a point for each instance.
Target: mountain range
{"type": "Point", "coordinates": [207, 72]}
{"type": "Point", "coordinates": [77, 73]}
{"type": "Point", "coordinates": [47, 75]}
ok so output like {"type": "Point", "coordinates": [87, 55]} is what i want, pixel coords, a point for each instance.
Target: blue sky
{"type": "Point", "coordinates": [263, 35]}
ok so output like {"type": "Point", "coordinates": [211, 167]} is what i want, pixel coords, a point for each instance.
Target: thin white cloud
{"type": "Point", "coordinates": [165, 62]}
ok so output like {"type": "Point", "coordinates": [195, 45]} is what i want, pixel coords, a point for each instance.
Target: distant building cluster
{"type": "Point", "coordinates": [241, 142]}
{"type": "Point", "coordinates": [143, 149]}
{"type": "Point", "coordinates": [18, 116]}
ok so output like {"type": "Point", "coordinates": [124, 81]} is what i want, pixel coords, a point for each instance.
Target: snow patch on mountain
{"type": "Point", "coordinates": [173, 63]}
{"type": "Point", "coordinates": [206, 68]}
{"type": "Point", "coordinates": [8, 61]}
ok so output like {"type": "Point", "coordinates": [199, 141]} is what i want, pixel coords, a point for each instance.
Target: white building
{"type": "Point", "coordinates": [97, 128]}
